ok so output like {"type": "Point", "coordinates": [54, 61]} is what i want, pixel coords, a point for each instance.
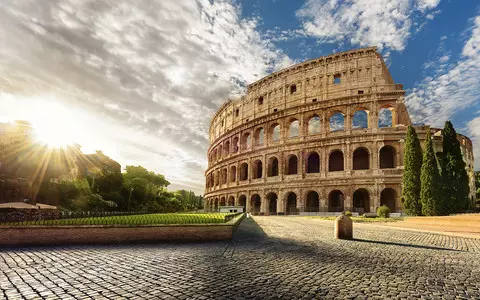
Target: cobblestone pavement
{"type": "Point", "coordinates": [280, 258]}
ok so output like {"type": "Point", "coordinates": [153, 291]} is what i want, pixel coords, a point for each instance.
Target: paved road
{"type": "Point", "coordinates": [270, 258]}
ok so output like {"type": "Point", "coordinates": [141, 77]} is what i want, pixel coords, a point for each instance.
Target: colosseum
{"type": "Point", "coordinates": [322, 136]}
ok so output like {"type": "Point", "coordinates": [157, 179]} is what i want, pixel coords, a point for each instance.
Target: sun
{"type": "Point", "coordinates": [55, 126]}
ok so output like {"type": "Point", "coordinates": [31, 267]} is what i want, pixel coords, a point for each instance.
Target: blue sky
{"type": "Point", "coordinates": [141, 80]}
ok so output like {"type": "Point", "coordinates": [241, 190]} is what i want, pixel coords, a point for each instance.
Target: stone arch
{"type": "Point", "coordinates": [387, 157]}
{"type": "Point", "coordinates": [259, 136]}
{"type": "Point", "coordinates": [360, 119]}
{"type": "Point", "coordinates": [291, 204]}
{"type": "Point", "coordinates": [313, 162]}
{"type": "Point", "coordinates": [293, 128]}
{"type": "Point", "coordinates": [361, 201]}
{"type": "Point", "coordinates": [336, 201]}
{"type": "Point", "coordinates": [274, 132]}
{"type": "Point", "coordinates": [256, 203]}
{"type": "Point", "coordinates": [313, 202]}
{"type": "Point", "coordinates": [386, 116]}
{"type": "Point", "coordinates": [246, 141]}
{"type": "Point", "coordinates": [214, 154]}
{"type": "Point", "coordinates": [361, 159]}
{"type": "Point", "coordinates": [233, 173]}
{"type": "Point", "coordinates": [224, 175]}
{"type": "Point", "coordinates": [223, 201]}
{"type": "Point", "coordinates": [226, 148]}
{"type": "Point", "coordinates": [220, 150]}
{"type": "Point", "coordinates": [235, 145]}
{"type": "Point", "coordinates": [335, 161]}
{"type": "Point", "coordinates": [244, 171]}
{"type": "Point", "coordinates": [272, 202]}
{"type": "Point", "coordinates": [337, 121]}
{"type": "Point", "coordinates": [314, 124]}
{"type": "Point", "coordinates": [257, 169]}
{"type": "Point", "coordinates": [242, 201]}
{"type": "Point", "coordinates": [388, 197]}
{"type": "Point", "coordinates": [292, 165]}
{"type": "Point", "coordinates": [231, 201]}
{"type": "Point", "coordinates": [272, 166]}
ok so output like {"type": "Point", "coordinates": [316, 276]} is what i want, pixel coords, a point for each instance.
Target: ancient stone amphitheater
{"type": "Point", "coordinates": [325, 135]}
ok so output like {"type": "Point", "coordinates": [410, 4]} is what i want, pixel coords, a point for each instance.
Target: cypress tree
{"type": "Point", "coordinates": [430, 194]}
{"type": "Point", "coordinates": [454, 175]}
{"type": "Point", "coordinates": [411, 175]}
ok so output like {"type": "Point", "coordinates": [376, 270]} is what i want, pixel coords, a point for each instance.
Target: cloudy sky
{"type": "Point", "coordinates": [141, 80]}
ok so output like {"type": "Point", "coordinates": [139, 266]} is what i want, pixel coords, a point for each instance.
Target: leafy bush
{"type": "Point", "coordinates": [347, 213]}
{"type": "Point", "coordinates": [383, 211]}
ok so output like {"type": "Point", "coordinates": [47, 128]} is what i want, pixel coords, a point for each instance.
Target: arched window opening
{"type": "Point", "coordinates": [233, 174]}
{"type": "Point", "coordinates": [272, 166]}
{"type": "Point", "coordinates": [222, 201]}
{"type": "Point", "coordinates": [314, 125]}
{"type": "Point", "coordinates": [219, 151]}
{"type": "Point", "coordinates": [291, 204]}
{"type": "Point", "coordinates": [257, 169]}
{"type": "Point", "coordinates": [361, 159]}
{"type": "Point", "coordinates": [360, 119]}
{"type": "Point", "coordinates": [243, 171]}
{"type": "Point", "coordinates": [292, 166]}
{"type": "Point", "coordinates": [335, 161]}
{"type": "Point", "coordinates": [313, 202]}
{"type": "Point", "coordinates": [231, 201]}
{"type": "Point", "coordinates": [272, 203]}
{"type": "Point", "coordinates": [276, 132]}
{"type": "Point", "coordinates": [293, 129]}
{"type": "Point", "coordinates": [337, 122]}
{"type": "Point", "coordinates": [260, 137]}
{"type": "Point", "coordinates": [385, 117]}
{"type": "Point", "coordinates": [215, 155]}
{"type": "Point", "coordinates": [242, 201]}
{"type": "Point", "coordinates": [235, 144]}
{"type": "Point", "coordinates": [361, 201]}
{"type": "Point", "coordinates": [224, 175]}
{"type": "Point", "coordinates": [226, 148]}
{"type": "Point", "coordinates": [313, 163]}
{"type": "Point", "coordinates": [256, 203]}
{"type": "Point", "coordinates": [215, 206]}
{"type": "Point", "coordinates": [336, 201]}
{"type": "Point", "coordinates": [246, 141]}
{"type": "Point", "coordinates": [387, 157]}
{"type": "Point", "coordinates": [388, 197]}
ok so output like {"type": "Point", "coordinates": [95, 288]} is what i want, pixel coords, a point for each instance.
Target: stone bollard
{"type": "Point", "coordinates": [343, 228]}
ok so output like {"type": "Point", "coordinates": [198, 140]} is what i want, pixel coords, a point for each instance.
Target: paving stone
{"type": "Point", "coordinates": [280, 258]}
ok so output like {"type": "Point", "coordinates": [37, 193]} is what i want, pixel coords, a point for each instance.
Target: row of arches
{"type": "Point", "coordinates": [361, 202]}
{"type": "Point", "coordinates": [360, 161]}
{"type": "Point", "coordinates": [360, 119]}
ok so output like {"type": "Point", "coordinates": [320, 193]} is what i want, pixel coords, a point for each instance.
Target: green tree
{"type": "Point", "coordinates": [454, 175]}
{"type": "Point", "coordinates": [430, 194]}
{"type": "Point", "coordinates": [411, 174]}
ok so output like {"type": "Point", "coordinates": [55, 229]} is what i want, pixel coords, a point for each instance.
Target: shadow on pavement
{"type": "Point", "coordinates": [405, 245]}
{"type": "Point", "coordinates": [249, 230]}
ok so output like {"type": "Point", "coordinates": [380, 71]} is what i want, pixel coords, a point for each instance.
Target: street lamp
{"type": "Point", "coordinates": [130, 196]}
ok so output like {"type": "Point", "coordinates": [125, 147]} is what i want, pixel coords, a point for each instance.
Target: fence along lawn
{"type": "Point", "coordinates": [133, 220]}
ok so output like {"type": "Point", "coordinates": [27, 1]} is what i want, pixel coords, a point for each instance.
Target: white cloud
{"type": "Point", "coordinates": [450, 89]}
{"type": "Point", "coordinates": [384, 23]}
{"type": "Point", "coordinates": [156, 71]}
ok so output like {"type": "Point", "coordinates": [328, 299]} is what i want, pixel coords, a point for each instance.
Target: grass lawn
{"type": "Point", "coordinates": [360, 219]}
{"type": "Point", "coordinates": [133, 220]}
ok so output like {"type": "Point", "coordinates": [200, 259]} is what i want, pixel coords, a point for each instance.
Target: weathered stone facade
{"type": "Point", "coordinates": [282, 148]}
